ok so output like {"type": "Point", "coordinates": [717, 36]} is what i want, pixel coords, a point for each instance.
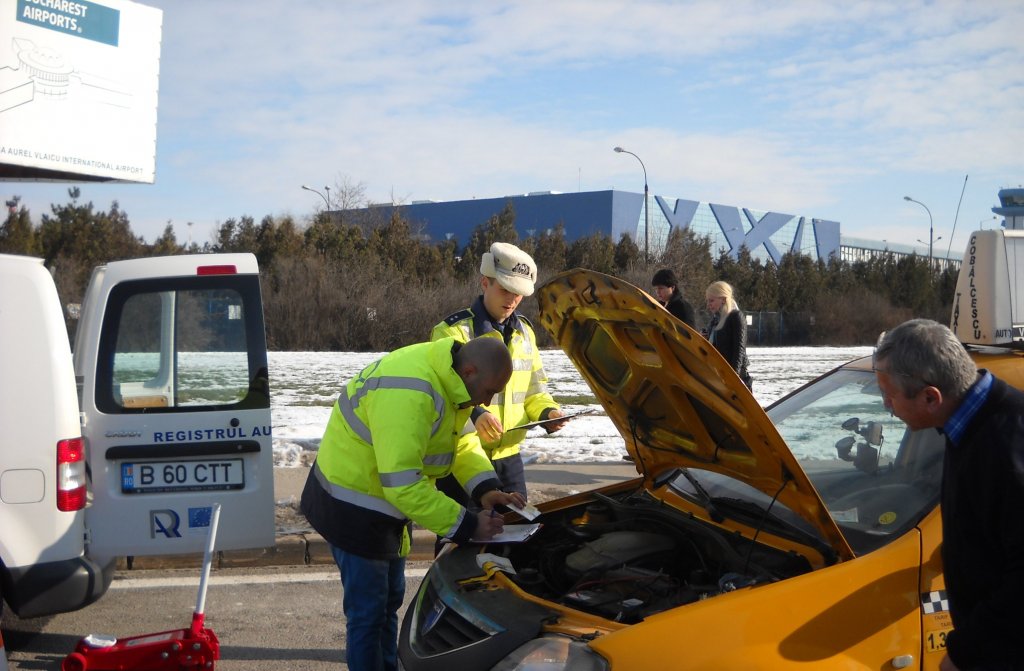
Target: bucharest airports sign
{"type": "Point", "coordinates": [78, 90]}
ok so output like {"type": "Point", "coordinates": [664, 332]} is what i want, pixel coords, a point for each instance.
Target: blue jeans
{"type": "Point", "coordinates": [373, 593]}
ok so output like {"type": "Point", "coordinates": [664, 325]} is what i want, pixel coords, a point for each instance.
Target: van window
{"type": "Point", "coordinates": [188, 347]}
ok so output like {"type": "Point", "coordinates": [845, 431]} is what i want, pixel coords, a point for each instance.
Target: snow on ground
{"type": "Point", "coordinates": [304, 386]}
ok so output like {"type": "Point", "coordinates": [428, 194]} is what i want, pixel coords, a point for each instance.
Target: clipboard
{"type": "Point", "coordinates": [542, 422]}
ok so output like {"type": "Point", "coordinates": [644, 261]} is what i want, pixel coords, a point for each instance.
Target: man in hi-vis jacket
{"type": "Point", "coordinates": [392, 432]}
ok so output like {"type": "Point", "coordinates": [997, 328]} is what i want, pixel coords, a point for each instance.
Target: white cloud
{"type": "Point", "coordinates": [829, 109]}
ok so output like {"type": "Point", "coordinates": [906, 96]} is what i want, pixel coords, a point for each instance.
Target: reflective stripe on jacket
{"type": "Point", "coordinates": [392, 432]}
{"type": "Point", "coordinates": [525, 397]}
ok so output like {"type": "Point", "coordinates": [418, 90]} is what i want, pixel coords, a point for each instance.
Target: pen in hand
{"type": "Point", "coordinates": [489, 523]}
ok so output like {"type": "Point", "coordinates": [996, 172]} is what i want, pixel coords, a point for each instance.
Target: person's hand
{"type": "Point", "coordinates": [488, 525]}
{"type": "Point", "coordinates": [947, 664]}
{"type": "Point", "coordinates": [555, 426]}
{"type": "Point", "coordinates": [497, 497]}
{"type": "Point", "coordinates": [488, 427]}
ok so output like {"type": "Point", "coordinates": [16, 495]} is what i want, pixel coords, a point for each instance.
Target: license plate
{"type": "Point", "coordinates": [178, 476]}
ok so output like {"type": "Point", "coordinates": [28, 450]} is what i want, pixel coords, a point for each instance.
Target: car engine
{"type": "Point", "coordinates": [630, 557]}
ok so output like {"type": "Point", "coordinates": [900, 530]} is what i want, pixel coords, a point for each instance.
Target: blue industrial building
{"type": "Point", "coordinates": [768, 235]}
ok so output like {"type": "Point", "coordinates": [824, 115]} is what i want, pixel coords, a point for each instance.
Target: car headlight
{"type": "Point", "coordinates": [553, 653]}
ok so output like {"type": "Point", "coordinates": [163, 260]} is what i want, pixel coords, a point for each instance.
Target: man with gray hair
{"type": "Point", "coordinates": [928, 380]}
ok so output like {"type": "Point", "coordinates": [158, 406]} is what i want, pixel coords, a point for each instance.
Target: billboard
{"type": "Point", "coordinates": [78, 90]}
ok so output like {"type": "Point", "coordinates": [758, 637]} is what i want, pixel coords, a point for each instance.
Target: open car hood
{"type": "Point", "coordinates": [672, 396]}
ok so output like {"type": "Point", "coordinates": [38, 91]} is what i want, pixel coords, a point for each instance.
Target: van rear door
{"type": "Point", "coordinates": [171, 362]}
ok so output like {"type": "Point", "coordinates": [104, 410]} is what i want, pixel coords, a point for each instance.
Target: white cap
{"type": "Point", "coordinates": [511, 266]}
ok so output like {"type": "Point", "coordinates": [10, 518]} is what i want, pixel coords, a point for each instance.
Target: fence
{"type": "Point", "coordinates": [779, 328]}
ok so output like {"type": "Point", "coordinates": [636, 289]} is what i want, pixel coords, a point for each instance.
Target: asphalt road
{"type": "Point", "coordinates": [280, 617]}
{"type": "Point", "coordinates": [283, 618]}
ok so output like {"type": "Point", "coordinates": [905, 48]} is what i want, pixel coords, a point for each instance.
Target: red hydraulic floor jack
{"type": "Point", "coordinates": [194, 648]}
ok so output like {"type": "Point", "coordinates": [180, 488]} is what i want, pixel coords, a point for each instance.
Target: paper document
{"type": "Point", "coordinates": [513, 533]}
{"type": "Point", "coordinates": [542, 422]}
{"type": "Point", "coordinates": [528, 511]}
{"type": "Point", "coordinates": [501, 563]}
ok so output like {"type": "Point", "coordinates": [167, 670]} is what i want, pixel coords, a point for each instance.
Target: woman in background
{"type": "Point", "coordinates": [727, 329]}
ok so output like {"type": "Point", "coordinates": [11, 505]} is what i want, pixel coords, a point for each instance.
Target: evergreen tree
{"type": "Point", "coordinates": [396, 249]}
{"type": "Point", "coordinates": [338, 243]}
{"type": "Point", "coordinates": [799, 283]}
{"type": "Point", "coordinates": [76, 231]}
{"type": "Point", "coordinates": [17, 235]}
{"type": "Point", "coordinates": [551, 251]}
{"type": "Point", "coordinates": [912, 285]}
{"type": "Point", "coordinates": [237, 236]}
{"type": "Point", "coordinates": [346, 285]}
{"type": "Point", "coordinates": [765, 289]}
{"type": "Point", "coordinates": [167, 243]}
{"type": "Point", "coordinates": [627, 254]}
{"type": "Point", "coordinates": [595, 252]}
{"type": "Point", "coordinates": [280, 237]}
{"type": "Point", "coordinates": [499, 228]}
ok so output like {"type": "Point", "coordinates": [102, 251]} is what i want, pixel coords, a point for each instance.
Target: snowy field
{"type": "Point", "coordinates": [304, 386]}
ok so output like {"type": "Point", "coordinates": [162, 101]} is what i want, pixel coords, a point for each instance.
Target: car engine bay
{"type": "Point", "coordinates": [627, 557]}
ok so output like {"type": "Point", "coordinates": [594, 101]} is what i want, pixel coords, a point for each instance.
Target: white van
{"type": "Point", "coordinates": [122, 448]}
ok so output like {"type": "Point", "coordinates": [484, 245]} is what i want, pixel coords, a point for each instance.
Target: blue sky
{"type": "Point", "coordinates": [834, 110]}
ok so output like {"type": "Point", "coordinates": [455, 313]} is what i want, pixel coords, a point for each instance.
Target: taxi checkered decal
{"type": "Point", "coordinates": [934, 602]}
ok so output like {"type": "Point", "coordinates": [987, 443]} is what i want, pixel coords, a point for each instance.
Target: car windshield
{"type": "Point", "coordinates": [877, 478]}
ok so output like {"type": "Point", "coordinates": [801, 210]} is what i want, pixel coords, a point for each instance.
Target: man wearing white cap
{"type": "Point", "coordinates": [507, 274]}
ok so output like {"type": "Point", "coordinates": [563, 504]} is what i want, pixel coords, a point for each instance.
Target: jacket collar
{"type": "Point", "coordinates": [482, 322]}
{"type": "Point", "coordinates": [442, 360]}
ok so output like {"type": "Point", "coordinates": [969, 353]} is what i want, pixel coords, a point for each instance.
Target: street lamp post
{"type": "Point", "coordinates": [925, 243]}
{"type": "Point", "coordinates": [647, 208]}
{"type": "Point", "coordinates": [328, 202]}
{"type": "Point", "coordinates": [931, 228]}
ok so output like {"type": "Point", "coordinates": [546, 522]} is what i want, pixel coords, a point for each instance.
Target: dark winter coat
{"type": "Point", "coordinates": [681, 309]}
{"type": "Point", "coordinates": [731, 342]}
{"type": "Point", "coordinates": [983, 534]}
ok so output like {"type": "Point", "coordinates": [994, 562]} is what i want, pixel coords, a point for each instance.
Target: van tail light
{"type": "Point", "coordinates": [71, 479]}
{"type": "Point", "coordinates": [227, 269]}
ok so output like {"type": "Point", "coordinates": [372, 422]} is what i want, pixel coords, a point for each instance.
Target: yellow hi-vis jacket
{"type": "Point", "coordinates": [392, 432]}
{"type": "Point", "coordinates": [525, 397]}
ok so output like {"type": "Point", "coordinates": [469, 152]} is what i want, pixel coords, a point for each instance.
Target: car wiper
{"type": "Point", "coordinates": [778, 524]}
{"type": "Point", "coordinates": [753, 509]}
{"type": "Point", "coordinates": [703, 498]}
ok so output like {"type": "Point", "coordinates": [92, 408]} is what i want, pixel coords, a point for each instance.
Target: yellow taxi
{"type": "Point", "coordinates": [801, 536]}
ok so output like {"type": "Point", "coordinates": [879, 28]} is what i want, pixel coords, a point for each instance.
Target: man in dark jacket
{"type": "Point", "coordinates": [928, 380]}
{"type": "Point", "coordinates": [666, 290]}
